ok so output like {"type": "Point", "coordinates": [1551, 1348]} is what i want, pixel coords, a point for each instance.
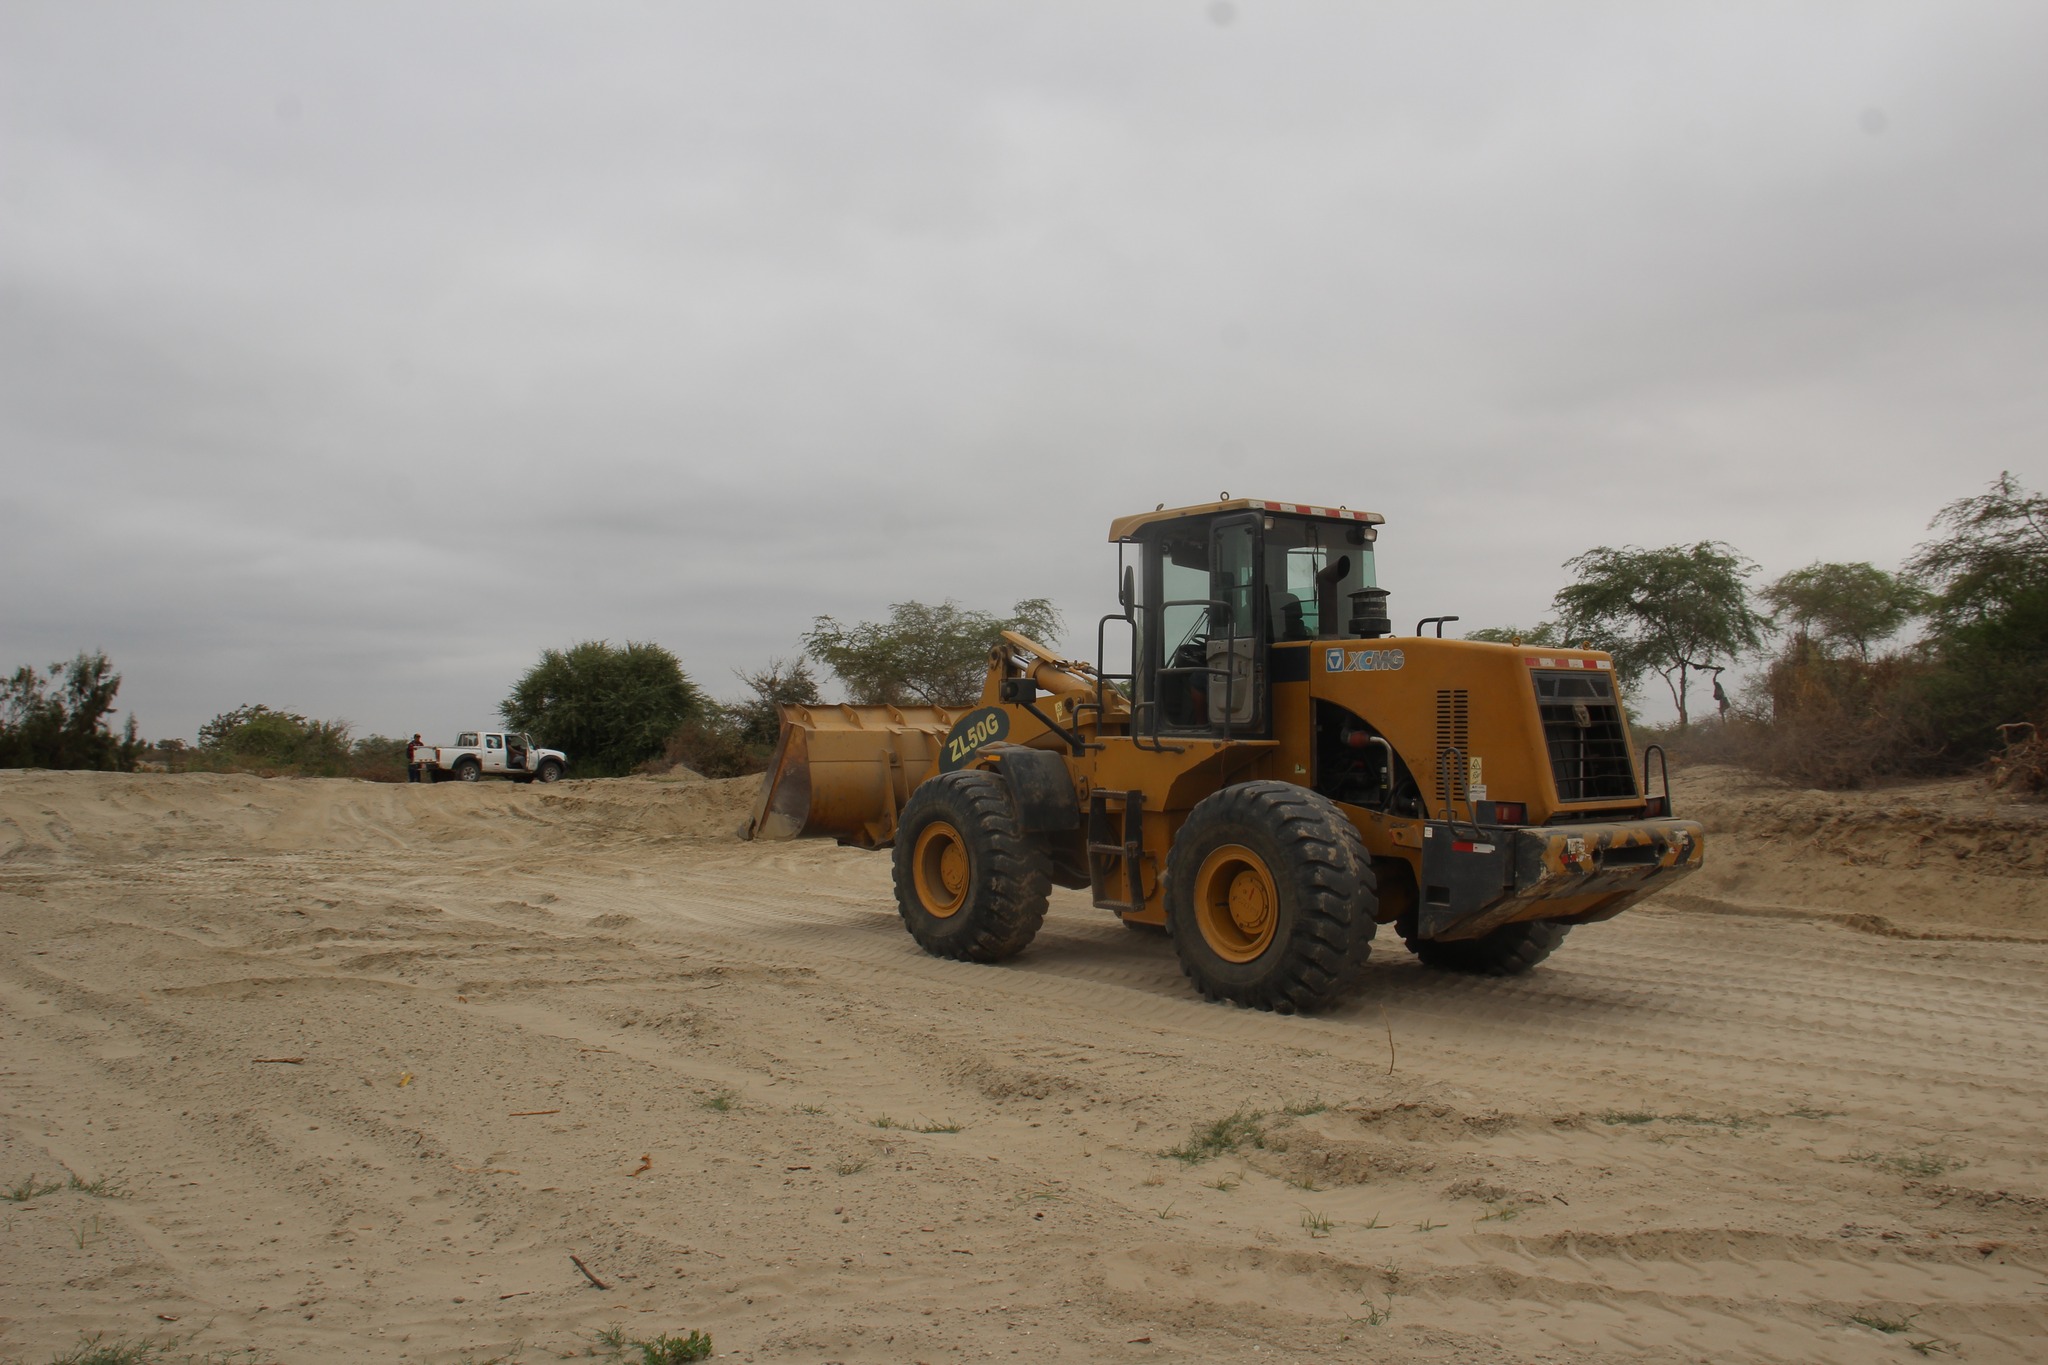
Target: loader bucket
{"type": "Point", "coordinates": [845, 771]}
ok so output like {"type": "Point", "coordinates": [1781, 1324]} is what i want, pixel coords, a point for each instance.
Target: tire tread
{"type": "Point", "coordinates": [1331, 873]}
{"type": "Point", "coordinates": [1019, 881]}
{"type": "Point", "coordinates": [1510, 950]}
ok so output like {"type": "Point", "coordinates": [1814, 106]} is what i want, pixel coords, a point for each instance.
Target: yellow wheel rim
{"type": "Point", "coordinates": [938, 865]}
{"type": "Point", "coordinates": [1237, 907]}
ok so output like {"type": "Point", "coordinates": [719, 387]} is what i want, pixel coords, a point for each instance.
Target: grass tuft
{"type": "Point", "coordinates": [1890, 1326]}
{"type": "Point", "coordinates": [613, 1344]}
{"type": "Point", "coordinates": [668, 1350]}
{"type": "Point", "coordinates": [1807, 1111]}
{"type": "Point", "coordinates": [97, 1350]}
{"type": "Point", "coordinates": [884, 1122]}
{"type": "Point", "coordinates": [1617, 1117]}
{"type": "Point", "coordinates": [1225, 1183]}
{"type": "Point", "coordinates": [1926, 1164]}
{"type": "Point", "coordinates": [1301, 1109]}
{"type": "Point", "coordinates": [1500, 1213]}
{"type": "Point", "coordinates": [1374, 1315]}
{"type": "Point", "coordinates": [105, 1187]}
{"type": "Point", "coordinates": [30, 1187]}
{"type": "Point", "coordinates": [852, 1166]}
{"type": "Point", "coordinates": [1304, 1182]}
{"type": "Point", "coordinates": [723, 1102]}
{"type": "Point", "coordinates": [1315, 1224]}
{"type": "Point", "coordinates": [1427, 1226]}
{"type": "Point", "coordinates": [1227, 1134]}
{"type": "Point", "coordinates": [947, 1127]}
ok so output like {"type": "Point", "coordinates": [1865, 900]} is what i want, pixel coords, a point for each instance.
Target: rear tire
{"type": "Point", "coordinates": [468, 770]}
{"type": "Point", "coordinates": [1509, 950]}
{"type": "Point", "coordinates": [970, 884]}
{"type": "Point", "coordinates": [1270, 899]}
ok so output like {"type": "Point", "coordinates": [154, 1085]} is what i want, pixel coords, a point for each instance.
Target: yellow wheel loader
{"type": "Point", "coordinates": [1273, 776]}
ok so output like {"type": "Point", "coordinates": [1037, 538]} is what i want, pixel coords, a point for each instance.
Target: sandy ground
{"type": "Point", "coordinates": [366, 1065]}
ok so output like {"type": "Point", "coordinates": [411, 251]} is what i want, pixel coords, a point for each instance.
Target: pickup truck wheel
{"type": "Point", "coordinates": [468, 770]}
{"type": "Point", "coordinates": [970, 883]}
{"type": "Point", "coordinates": [550, 771]}
{"type": "Point", "coordinates": [1509, 950]}
{"type": "Point", "coordinates": [1270, 899]}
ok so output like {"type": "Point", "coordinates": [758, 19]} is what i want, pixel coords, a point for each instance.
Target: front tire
{"type": "Point", "coordinates": [970, 884]}
{"type": "Point", "coordinates": [550, 771]}
{"type": "Point", "coordinates": [1270, 899]}
{"type": "Point", "coordinates": [1509, 950]}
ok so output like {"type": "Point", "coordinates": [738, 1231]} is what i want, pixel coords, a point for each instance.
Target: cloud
{"type": "Point", "coordinates": [348, 358]}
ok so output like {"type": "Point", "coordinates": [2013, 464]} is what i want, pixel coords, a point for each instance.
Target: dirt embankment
{"type": "Point", "coordinates": [363, 1066]}
{"type": "Point", "coordinates": [1944, 859]}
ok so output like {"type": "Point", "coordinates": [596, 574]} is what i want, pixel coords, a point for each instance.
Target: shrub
{"type": "Point", "coordinates": [712, 747]}
{"type": "Point", "coordinates": [610, 707]}
{"type": "Point", "coordinates": [259, 739]}
{"type": "Point", "coordinates": [758, 719]}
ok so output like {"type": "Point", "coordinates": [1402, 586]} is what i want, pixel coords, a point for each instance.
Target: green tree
{"type": "Point", "coordinates": [1994, 553]}
{"type": "Point", "coordinates": [757, 720]}
{"type": "Point", "coordinates": [930, 655]}
{"type": "Point", "coordinates": [1672, 611]}
{"type": "Point", "coordinates": [65, 727]}
{"type": "Point", "coordinates": [1841, 606]}
{"type": "Point", "coordinates": [261, 739]}
{"type": "Point", "coordinates": [609, 707]}
{"type": "Point", "coordinates": [1989, 618]}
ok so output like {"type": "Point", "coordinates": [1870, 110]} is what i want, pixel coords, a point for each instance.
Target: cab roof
{"type": "Point", "coordinates": [1127, 528]}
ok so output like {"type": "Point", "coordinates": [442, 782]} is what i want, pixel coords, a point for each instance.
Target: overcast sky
{"type": "Point", "coordinates": [350, 355]}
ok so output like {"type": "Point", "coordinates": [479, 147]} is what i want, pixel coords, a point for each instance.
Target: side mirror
{"type": "Point", "coordinates": [1127, 594]}
{"type": "Point", "coordinates": [1017, 691]}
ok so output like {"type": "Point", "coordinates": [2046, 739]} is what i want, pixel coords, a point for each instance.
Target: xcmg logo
{"type": "Point", "coordinates": [1362, 660]}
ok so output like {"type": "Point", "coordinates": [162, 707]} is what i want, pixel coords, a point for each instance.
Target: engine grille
{"type": "Point", "coordinates": [1454, 731]}
{"type": "Point", "coordinates": [1582, 728]}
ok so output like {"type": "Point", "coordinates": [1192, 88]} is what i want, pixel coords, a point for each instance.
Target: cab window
{"type": "Point", "coordinates": [466, 740]}
{"type": "Point", "coordinates": [1312, 568]}
{"type": "Point", "coordinates": [494, 741]}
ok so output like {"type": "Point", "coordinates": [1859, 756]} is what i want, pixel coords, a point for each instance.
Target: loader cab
{"type": "Point", "coordinates": [1229, 596]}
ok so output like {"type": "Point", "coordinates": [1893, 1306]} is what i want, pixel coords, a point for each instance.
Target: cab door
{"type": "Point", "coordinates": [1205, 630]}
{"type": "Point", "coordinates": [494, 753]}
{"type": "Point", "coordinates": [1237, 633]}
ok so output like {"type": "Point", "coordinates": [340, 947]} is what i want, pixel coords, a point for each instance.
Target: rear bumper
{"type": "Point", "coordinates": [1575, 874]}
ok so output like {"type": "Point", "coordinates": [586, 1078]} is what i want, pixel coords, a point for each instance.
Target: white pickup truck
{"type": "Point", "coordinates": [477, 754]}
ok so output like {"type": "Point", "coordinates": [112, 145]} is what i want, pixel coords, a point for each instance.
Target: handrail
{"type": "Point", "coordinates": [1663, 769]}
{"type": "Point", "coordinates": [1446, 785]}
{"type": "Point", "coordinates": [1380, 742]}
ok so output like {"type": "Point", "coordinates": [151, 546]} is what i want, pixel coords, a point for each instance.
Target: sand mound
{"type": "Point", "coordinates": [54, 817]}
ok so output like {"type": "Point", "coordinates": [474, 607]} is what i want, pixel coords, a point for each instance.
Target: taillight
{"type": "Point", "coordinates": [1503, 813]}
